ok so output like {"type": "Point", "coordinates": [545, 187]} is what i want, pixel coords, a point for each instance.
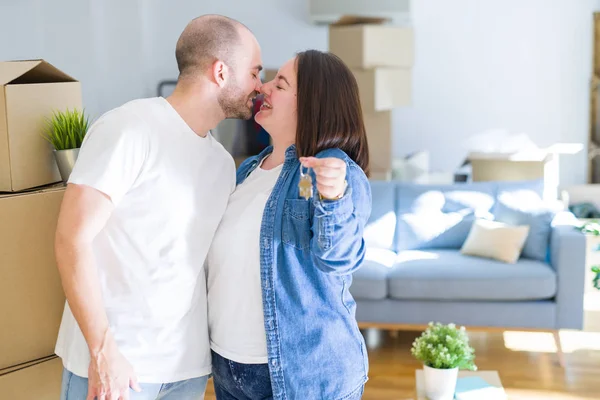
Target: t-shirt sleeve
{"type": "Point", "coordinates": [233, 177]}
{"type": "Point", "coordinates": [111, 156]}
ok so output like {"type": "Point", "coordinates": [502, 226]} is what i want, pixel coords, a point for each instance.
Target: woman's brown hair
{"type": "Point", "coordinates": [329, 109]}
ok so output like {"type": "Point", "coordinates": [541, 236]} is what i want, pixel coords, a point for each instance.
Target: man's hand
{"type": "Point", "coordinates": [110, 375]}
{"type": "Point", "coordinates": [330, 173]}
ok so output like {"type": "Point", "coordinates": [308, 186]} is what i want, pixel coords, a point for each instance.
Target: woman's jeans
{"type": "Point", "coordinates": [235, 381]}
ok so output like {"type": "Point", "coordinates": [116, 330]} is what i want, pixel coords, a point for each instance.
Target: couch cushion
{"type": "Point", "coordinates": [381, 226]}
{"type": "Point", "coordinates": [528, 208]}
{"type": "Point", "coordinates": [533, 186]}
{"type": "Point", "coordinates": [370, 280]}
{"type": "Point", "coordinates": [449, 275]}
{"type": "Point", "coordinates": [440, 216]}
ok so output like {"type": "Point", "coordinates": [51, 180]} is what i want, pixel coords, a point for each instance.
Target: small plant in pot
{"type": "Point", "coordinates": [65, 130]}
{"type": "Point", "coordinates": [443, 350]}
{"type": "Point", "coordinates": [592, 228]}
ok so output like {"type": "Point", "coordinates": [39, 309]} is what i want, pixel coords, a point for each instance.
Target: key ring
{"type": "Point", "coordinates": [305, 184]}
{"type": "Point", "coordinates": [302, 174]}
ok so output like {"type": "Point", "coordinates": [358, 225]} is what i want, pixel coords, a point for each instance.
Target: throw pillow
{"type": "Point", "coordinates": [495, 240]}
{"type": "Point", "coordinates": [527, 208]}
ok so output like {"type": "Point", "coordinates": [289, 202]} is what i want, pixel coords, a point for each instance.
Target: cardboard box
{"type": "Point", "coordinates": [379, 136]}
{"type": "Point", "coordinates": [507, 167]}
{"type": "Point", "coordinates": [584, 193]}
{"type": "Point", "coordinates": [31, 294]}
{"type": "Point", "coordinates": [26, 365]}
{"type": "Point", "coordinates": [367, 46]}
{"type": "Point", "coordinates": [330, 11]}
{"type": "Point", "coordinates": [377, 175]}
{"type": "Point", "coordinates": [41, 381]}
{"type": "Point", "coordinates": [29, 92]}
{"type": "Point", "coordinates": [270, 74]}
{"type": "Point", "coordinates": [517, 167]}
{"type": "Point", "coordinates": [383, 89]}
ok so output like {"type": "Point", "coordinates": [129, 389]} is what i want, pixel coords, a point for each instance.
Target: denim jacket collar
{"type": "Point", "coordinates": [290, 156]}
{"type": "Point", "coordinates": [290, 152]}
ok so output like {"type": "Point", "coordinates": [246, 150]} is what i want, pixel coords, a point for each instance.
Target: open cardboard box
{"type": "Point", "coordinates": [532, 164]}
{"type": "Point", "coordinates": [30, 91]}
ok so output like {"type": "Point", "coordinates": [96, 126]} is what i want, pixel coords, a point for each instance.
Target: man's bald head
{"type": "Point", "coordinates": [207, 39]}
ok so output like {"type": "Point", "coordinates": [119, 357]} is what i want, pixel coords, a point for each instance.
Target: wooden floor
{"type": "Point", "coordinates": [526, 362]}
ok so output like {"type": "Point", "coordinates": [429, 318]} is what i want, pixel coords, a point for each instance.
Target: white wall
{"type": "Point", "coordinates": [119, 50]}
{"type": "Point", "coordinates": [520, 65]}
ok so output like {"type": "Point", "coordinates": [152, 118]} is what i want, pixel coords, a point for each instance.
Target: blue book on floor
{"type": "Point", "coordinates": [476, 388]}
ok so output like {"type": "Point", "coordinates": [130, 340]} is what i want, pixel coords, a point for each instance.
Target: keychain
{"type": "Point", "coordinates": [305, 185]}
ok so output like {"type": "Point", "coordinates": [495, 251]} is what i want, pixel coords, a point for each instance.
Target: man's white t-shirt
{"type": "Point", "coordinates": [170, 188]}
{"type": "Point", "coordinates": [235, 308]}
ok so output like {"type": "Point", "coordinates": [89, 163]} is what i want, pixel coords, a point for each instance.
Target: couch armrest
{"type": "Point", "coordinates": [568, 258]}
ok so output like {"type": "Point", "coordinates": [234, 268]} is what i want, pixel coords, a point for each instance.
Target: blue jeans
{"type": "Point", "coordinates": [76, 388]}
{"type": "Point", "coordinates": [235, 381]}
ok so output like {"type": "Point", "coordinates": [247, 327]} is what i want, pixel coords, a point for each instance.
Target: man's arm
{"type": "Point", "coordinates": [84, 212]}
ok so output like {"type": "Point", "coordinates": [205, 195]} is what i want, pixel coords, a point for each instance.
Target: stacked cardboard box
{"type": "Point", "coordinates": [329, 11]}
{"type": "Point", "coordinates": [269, 74]}
{"type": "Point", "coordinates": [31, 295]}
{"type": "Point", "coordinates": [381, 58]}
{"type": "Point", "coordinates": [39, 380]}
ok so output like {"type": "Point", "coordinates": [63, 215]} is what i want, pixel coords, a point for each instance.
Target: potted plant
{"type": "Point", "coordinates": [65, 130]}
{"type": "Point", "coordinates": [592, 228]}
{"type": "Point", "coordinates": [443, 350]}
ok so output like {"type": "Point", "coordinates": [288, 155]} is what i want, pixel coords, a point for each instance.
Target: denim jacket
{"type": "Point", "coordinates": [309, 249]}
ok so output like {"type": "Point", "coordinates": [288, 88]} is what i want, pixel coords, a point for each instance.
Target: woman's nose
{"type": "Point", "coordinates": [264, 88]}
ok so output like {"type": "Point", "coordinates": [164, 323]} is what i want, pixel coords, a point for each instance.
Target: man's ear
{"type": "Point", "coordinates": [220, 73]}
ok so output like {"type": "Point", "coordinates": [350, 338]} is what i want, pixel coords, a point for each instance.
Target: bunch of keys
{"type": "Point", "coordinates": [305, 185]}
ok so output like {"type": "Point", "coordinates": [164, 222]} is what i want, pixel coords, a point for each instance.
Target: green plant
{"type": "Point", "coordinates": [444, 347]}
{"type": "Point", "coordinates": [66, 129]}
{"type": "Point", "coordinates": [592, 228]}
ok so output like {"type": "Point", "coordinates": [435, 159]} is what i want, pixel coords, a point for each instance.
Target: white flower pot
{"type": "Point", "coordinates": [440, 384]}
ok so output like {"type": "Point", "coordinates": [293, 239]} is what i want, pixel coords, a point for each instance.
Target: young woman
{"type": "Point", "coordinates": [282, 320]}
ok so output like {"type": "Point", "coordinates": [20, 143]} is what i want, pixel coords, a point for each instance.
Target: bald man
{"type": "Point", "coordinates": [148, 190]}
